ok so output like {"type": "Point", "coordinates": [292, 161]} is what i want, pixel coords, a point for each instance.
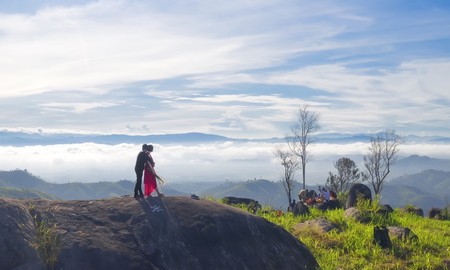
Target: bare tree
{"type": "Point", "coordinates": [308, 123]}
{"type": "Point", "coordinates": [348, 174]}
{"type": "Point", "coordinates": [381, 155]}
{"type": "Point", "coordinates": [290, 164]}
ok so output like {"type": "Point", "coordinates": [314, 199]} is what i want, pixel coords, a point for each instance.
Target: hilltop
{"type": "Point", "coordinates": [123, 233]}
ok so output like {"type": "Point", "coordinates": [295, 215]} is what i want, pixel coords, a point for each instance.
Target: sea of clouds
{"type": "Point", "coordinates": [233, 161]}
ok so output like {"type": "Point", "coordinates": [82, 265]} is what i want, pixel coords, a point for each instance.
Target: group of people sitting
{"type": "Point", "coordinates": [310, 197]}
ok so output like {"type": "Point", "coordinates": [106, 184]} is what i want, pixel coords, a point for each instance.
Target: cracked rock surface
{"type": "Point", "coordinates": [171, 232]}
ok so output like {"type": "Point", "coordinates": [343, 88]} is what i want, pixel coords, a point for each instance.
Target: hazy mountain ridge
{"type": "Point", "coordinates": [24, 194]}
{"type": "Point", "coordinates": [23, 138]}
{"type": "Point", "coordinates": [434, 181]}
{"type": "Point", "coordinates": [24, 180]}
{"type": "Point", "coordinates": [422, 187]}
{"type": "Point", "coordinates": [19, 138]}
{"type": "Point", "coordinates": [426, 189]}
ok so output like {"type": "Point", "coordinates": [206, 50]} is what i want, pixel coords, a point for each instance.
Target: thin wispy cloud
{"type": "Point", "coordinates": [75, 107]}
{"type": "Point", "coordinates": [155, 55]}
{"type": "Point", "coordinates": [233, 68]}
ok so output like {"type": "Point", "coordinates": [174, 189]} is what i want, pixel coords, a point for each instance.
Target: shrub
{"type": "Point", "coordinates": [48, 243]}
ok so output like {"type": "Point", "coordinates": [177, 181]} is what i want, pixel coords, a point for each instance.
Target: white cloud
{"type": "Point", "coordinates": [76, 106]}
{"type": "Point", "coordinates": [117, 42]}
{"type": "Point", "coordinates": [105, 44]}
{"type": "Point", "coordinates": [200, 58]}
{"type": "Point", "coordinates": [204, 162]}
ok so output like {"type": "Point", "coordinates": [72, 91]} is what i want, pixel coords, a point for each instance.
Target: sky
{"type": "Point", "coordinates": [240, 69]}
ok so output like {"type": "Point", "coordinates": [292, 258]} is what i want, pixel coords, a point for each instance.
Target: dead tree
{"type": "Point", "coordinates": [307, 123]}
{"type": "Point", "coordinates": [381, 156]}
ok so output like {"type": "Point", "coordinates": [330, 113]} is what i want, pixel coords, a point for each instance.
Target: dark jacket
{"type": "Point", "coordinates": [141, 159]}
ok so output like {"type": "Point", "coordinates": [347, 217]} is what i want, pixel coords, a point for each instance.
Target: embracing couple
{"type": "Point", "coordinates": [145, 167]}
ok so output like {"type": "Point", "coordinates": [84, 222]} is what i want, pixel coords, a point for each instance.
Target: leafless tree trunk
{"type": "Point", "coordinates": [308, 123]}
{"type": "Point", "coordinates": [382, 154]}
{"type": "Point", "coordinates": [290, 165]}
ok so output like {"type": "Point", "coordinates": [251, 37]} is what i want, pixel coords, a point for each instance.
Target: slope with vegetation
{"type": "Point", "coordinates": [351, 245]}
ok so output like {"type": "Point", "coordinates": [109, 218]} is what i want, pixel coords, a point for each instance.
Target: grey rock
{"type": "Point", "coordinates": [154, 233]}
{"type": "Point", "coordinates": [321, 224]}
{"type": "Point", "coordinates": [402, 233]}
{"type": "Point", "coordinates": [353, 212]}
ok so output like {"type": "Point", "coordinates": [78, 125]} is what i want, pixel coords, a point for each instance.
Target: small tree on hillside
{"type": "Point", "coordinates": [348, 174]}
{"type": "Point", "coordinates": [308, 123]}
{"type": "Point", "coordinates": [382, 154]}
{"type": "Point", "coordinates": [290, 164]}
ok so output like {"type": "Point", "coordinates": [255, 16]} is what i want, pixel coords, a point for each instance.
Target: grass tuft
{"type": "Point", "coordinates": [48, 243]}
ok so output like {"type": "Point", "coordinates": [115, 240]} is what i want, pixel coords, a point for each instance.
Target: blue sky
{"type": "Point", "coordinates": [233, 68]}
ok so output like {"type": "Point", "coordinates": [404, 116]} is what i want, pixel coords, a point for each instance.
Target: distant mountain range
{"type": "Point", "coordinates": [416, 163]}
{"type": "Point", "coordinates": [17, 138]}
{"type": "Point", "coordinates": [427, 189]}
{"type": "Point", "coordinates": [11, 182]}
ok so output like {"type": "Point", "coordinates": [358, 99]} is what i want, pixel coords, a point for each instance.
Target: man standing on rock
{"type": "Point", "coordinates": [141, 160]}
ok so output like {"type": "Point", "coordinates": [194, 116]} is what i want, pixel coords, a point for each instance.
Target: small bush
{"type": "Point", "coordinates": [48, 243]}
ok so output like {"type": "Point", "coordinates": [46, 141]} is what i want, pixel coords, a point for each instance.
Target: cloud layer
{"type": "Point", "coordinates": [176, 163]}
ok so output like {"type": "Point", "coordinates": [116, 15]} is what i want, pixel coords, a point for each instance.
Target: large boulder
{"type": "Point", "coordinates": [252, 205]}
{"type": "Point", "coordinates": [436, 213]}
{"type": "Point", "coordinates": [358, 191]}
{"type": "Point", "coordinates": [237, 200]}
{"type": "Point", "coordinates": [413, 210]}
{"type": "Point", "coordinates": [384, 210]}
{"type": "Point", "coordinates": [154, 233]}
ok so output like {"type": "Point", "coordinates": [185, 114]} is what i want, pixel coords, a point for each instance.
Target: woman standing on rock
{"type": "Point", "coordinates": [150, 175]}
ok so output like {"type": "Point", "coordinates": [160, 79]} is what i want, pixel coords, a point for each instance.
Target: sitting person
{"type": "Point", "coordinates": [292, 205]}
{"type": "Point", "coordinates": [333, 195]}
{"type": "Point", "coordinates": [303, 195]}
{"type": "Point", "coordinates": [325, 194]}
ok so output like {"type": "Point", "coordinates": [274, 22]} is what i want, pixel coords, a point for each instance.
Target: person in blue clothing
{"type": "Point", "coordinates": [141, 160]}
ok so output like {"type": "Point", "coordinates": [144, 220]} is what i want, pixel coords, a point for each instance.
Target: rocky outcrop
{"type": "Point", "coordinates": [252, 205]}
{"type": "Point", "coordinates": [413, 210]}
{"type": "Point", "coordinates": [358, 191]}
{"type": "Point", "coordinates": [353, 212]}
{"type": "Point", "coordinates": [402, 233]}
{"type": "Point", "coordinates": [322, 225]}
{"type": "Point", "coordinates": [124, 233]}
{"type": "Point", "coordinates": [436, 213]}
{"type": "Point", "coordinates": [17, 234]}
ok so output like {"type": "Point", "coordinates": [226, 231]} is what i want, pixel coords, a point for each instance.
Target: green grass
{"type": "Point", "coordinates": [48, 243]}
{"type": "Point", "coordinates": [352, 247]}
